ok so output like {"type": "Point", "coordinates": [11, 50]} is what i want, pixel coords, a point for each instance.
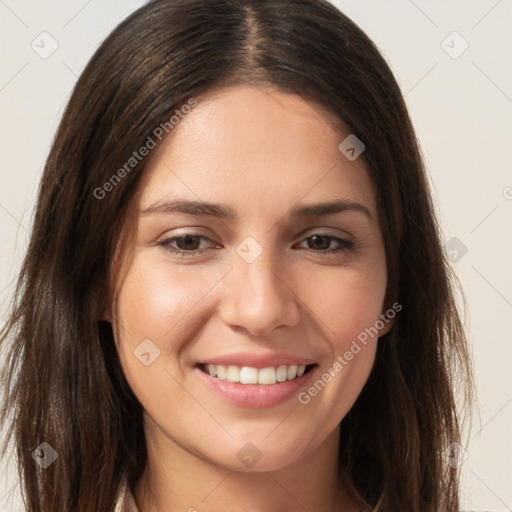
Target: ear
{"type": "Point", "coordinates": [387, 319]}
{"type": "Point", "coordinates": [387, 324]}
{"type": "Point", "coordinates": [105, 308]}
{"type": "Point", "coordinates": [105, 311]}
{"type": "Point", "coordinates": [106, 316]}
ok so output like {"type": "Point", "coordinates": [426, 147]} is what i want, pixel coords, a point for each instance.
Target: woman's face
{"type": "Point", "coordinates": [275, 286]}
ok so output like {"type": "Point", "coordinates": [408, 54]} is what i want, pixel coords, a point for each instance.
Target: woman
{"type": "Point", "coordinates": [302, 353]}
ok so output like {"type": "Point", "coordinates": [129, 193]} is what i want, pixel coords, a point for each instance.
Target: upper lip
{"type": "Point", "coordinates": [258, 360]}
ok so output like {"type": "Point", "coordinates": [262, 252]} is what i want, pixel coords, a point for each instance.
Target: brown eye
{"type": "Point", "coordinates": [321, 243]}
{"type": "Point", "coordinates": [186, 245]}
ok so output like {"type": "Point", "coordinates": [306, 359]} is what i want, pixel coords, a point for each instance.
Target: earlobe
{"type": "Point", "coordinates": [106, 317]}
{"type": "Point", "coordinates": [388, 324]}
{"type": "Point", "coordinates": [105, 308]}
{"type": "Point", "coordinates": [387, 319]}
{"type": "Point", "coordinates": [106, 314]}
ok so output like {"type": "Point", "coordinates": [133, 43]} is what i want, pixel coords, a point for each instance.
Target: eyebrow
{"type": "Point", "coordinates": [221, 211]}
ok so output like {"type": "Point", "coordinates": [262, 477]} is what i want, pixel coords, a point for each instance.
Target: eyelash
{"type": "Point", "coordinates": [346, 246]}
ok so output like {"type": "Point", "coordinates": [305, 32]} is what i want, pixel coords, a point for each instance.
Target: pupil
{"type": "Point", "coordinates": [325, 245]}
{"type": "Point", "coordinates": [187, 240]}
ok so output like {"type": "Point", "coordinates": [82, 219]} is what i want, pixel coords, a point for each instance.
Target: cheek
{"type": "Point", "coordinates": [347, 302]}
{"type": "Point", "coordinates": [154, 299]}
{"type": "Point", "coordinates": [349, 308]}
{"type": "Point", "coordinates": [156, 304]}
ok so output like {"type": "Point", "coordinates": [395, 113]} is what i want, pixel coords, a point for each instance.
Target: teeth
{"type": "Point", "coordinates": [291, 372]}
{"type": "Point", "coordinates": [250, 375]}
{"type": "Point", "coordinates": [267, 376]}
{"type": "Point", "coordinates": [221, 371]}
{"type": "Point", "coordinates": [233, 374]}
{"type": "Point", "coordinates": [281, 373]}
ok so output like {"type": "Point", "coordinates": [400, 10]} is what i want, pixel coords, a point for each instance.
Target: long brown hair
{"type": "Point", "coordinates": [62, 380]}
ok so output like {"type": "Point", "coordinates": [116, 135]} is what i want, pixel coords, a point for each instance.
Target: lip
{"type": "Point", "coordinates": [258, 360]}
{"type": "Point", "coordinates": [255, 395]}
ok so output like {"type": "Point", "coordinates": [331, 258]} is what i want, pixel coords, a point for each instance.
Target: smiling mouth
{"type": "Point", "coordinates": [251, 375]}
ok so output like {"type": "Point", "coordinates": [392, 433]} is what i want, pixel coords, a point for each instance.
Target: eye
{"type": "Point", "coordinates": [186, 244]}
{"type": "Point", "coordinates": [320, 243]}
{"type": "Point", "coordinates": [189, 244]}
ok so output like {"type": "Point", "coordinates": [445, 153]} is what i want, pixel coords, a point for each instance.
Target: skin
{"type": "Point", "coordinates": [261, 152]}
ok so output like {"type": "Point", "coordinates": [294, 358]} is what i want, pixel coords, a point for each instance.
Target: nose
{"type": "Point", "coordinates": [258, 297]}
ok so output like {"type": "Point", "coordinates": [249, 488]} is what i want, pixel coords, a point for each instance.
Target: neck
{"type": "Point", "coordinates": [176, 480]}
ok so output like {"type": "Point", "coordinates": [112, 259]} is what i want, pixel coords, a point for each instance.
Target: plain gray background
{"type": "Point", "coordinates": [458, 87]}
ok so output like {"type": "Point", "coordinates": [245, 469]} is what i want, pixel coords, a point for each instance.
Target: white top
{"type": "Point", "coordinates": [125, 500]}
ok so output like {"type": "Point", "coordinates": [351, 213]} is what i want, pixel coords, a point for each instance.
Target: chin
{"type": "Point", "coordinates": [260, 454]}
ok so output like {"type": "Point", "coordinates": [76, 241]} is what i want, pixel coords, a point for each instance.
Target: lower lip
{"type": "Point", "coordinates": [256, 395]}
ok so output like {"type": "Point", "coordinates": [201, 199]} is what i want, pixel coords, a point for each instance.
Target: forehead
{"type": "Point", "coordinates": [258, 149]}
